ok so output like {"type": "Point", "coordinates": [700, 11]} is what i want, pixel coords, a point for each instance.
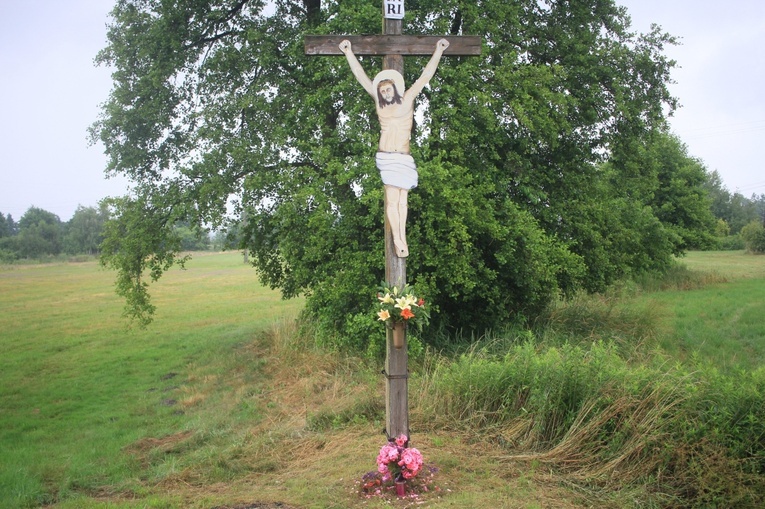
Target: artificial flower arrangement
{"type": "Point", "coordinates": [398, 462]}
{"type": "Point", "coordinates": [401, 306]}
{"type": "Point", "coordinates": [400, 470]}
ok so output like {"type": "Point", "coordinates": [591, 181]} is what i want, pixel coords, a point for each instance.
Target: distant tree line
{"type": "Point", "coordinates": [40, 233]}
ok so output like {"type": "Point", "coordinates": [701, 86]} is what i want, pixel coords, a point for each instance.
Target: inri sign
{"type": "Point", "coordinates": [394, 9]}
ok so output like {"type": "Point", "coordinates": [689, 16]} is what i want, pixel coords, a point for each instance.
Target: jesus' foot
{"type": "Point", "coordinates": [402, 250]}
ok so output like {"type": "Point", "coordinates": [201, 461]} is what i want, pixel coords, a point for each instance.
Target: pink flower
{"type": "Point", "coordinates": [388, 454]}
{"type": "Point", "coordinates": [401, 440]}
{"type": "Point", "coordinates": [411, 462]}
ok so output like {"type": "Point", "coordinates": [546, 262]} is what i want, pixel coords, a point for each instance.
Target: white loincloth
{"type": "Point", "coordinates": [397, 169]}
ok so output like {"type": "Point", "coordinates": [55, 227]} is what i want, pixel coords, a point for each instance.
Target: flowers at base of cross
{"type": "Point", "coordinates": [396, 461]}
{"type": "Point", "coordinates": [371, 485]}
{"type": "Point", "coordinates": [401, 306]}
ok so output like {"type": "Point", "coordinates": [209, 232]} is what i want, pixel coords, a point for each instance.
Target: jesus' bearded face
{"type": "Point", "coordinates": [387, 93]}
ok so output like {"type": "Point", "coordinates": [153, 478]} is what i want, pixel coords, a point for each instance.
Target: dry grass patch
{"type": "Point", "coordinates": [164, 444]}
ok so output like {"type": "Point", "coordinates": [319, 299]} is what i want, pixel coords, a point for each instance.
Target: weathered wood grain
{"type": "Point", "coordinates": [380, 45]}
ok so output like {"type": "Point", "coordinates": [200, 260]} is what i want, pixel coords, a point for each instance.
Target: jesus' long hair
{"type": "Point", "coordinates": [397, 99]}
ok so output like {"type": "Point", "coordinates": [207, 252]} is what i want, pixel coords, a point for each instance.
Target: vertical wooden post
{"type": "Point", "coordinates": [395, 62]}
{"type": "Point", "coordinates": [396, 359]}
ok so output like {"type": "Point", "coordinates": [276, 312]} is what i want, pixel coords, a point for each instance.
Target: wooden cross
{"type": "Point", "coordinates": [393, 46]}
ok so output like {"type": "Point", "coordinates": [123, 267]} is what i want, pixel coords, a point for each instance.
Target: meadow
{"type": "Point", "coordinates": [78, 385]}
{"type": "Point", "coordinates": [649, 397]}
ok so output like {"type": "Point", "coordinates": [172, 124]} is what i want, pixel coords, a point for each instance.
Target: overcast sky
{"type": "Point", "coordinates": [50, 93]}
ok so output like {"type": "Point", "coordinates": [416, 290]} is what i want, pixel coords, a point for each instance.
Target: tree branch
{"type": "Point", "coordinates": [208, 36]}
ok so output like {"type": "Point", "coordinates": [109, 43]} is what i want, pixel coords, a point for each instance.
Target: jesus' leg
{"type": "Point", "coordinates": [403, 209]}
{"type": "Point", "coordinates": [396, 211]}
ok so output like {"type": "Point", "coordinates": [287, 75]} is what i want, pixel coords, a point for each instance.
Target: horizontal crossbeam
{"type": "Point", "coordinates": [379, 45]}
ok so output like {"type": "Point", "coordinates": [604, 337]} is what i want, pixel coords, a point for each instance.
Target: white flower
{"type": "Point", "coordinates": [403, 303]}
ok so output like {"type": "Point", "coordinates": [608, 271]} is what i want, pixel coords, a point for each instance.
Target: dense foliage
{"type": "Point", "coordinates": [216, 115]}
{"type": "Point", "coordinates": [7, 225]}
{"type": "Point", "coordinates": [38, 233]}
{"type": "Point", "coordinates": [41, 233]}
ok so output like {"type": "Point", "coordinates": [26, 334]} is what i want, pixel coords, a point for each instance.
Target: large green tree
{"type": "Point", "coordinates": [8, 244]}
{"type": "Point", "coordinates": [674, 185]}
{"type": "Point", "coordinates": [40, 234]}
{"type": "Point", "coordinates": [681, 201]}
{"type": "Point", "coordinates": [84, 231]}
{"type": "Point", "coordinates": [7, 226]}
{"type": "Point", "coordinates": [214, 104]}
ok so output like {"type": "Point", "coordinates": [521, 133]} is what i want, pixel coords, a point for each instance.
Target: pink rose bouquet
{"type": "Point", "coordinates": [398, 462]}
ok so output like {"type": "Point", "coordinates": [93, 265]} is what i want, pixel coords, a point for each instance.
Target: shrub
{"type": "Point", "coordinates": [722, 229]}
{"type": "Point", "coordinates": [8, 256]}
{"type": "Point", "coordinates": [679, 277]}
{"type": "Point", "coordinates": [731, 243]}
{"type": "Point", "coordinates": [754, 237]}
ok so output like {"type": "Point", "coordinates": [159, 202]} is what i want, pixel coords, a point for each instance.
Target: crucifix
{"type": "Point", "coordinates": [395, 108]}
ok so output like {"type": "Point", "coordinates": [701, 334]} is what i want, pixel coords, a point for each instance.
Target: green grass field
{"type": "Point", "coordinates": [721, 323]}
{"type": "Point", "coordinates": [78, 387]}
{"type": "Point", "coordinates": [215, 406]}
{"type": "Point", "coordinates": [735, 265]}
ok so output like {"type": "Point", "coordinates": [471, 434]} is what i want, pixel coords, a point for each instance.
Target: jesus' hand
{"type": "Point", "coordinates": [345, 46]}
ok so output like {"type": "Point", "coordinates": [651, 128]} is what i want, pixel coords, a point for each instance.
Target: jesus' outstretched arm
{"type": "Point", "coordinates": [430, 69]}
{"type": "Point", "coordinates": [358, 71]}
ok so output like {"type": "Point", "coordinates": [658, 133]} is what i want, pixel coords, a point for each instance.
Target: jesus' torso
{"type": "Point", "coordinates": [396, 122]}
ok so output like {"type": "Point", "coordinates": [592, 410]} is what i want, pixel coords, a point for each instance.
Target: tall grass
{"type": "Point", "coordinates": [697, 435]}
{"type": "Point", "coordinates": [582, 319]}
{"type": "Point", "coordinates": [732, 265]}
{"type": "Point", "coordinates": [712, 315]}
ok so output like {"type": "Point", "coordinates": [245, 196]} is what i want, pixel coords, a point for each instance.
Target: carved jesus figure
{"type": "Point", "coordinates": [395, 109]}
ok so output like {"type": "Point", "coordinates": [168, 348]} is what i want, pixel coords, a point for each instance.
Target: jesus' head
{"type": "Point", "coordinates": [387, 93]}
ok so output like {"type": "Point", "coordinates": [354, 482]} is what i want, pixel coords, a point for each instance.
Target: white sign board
{"type": "Point", "coordinates": [394, 9]}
